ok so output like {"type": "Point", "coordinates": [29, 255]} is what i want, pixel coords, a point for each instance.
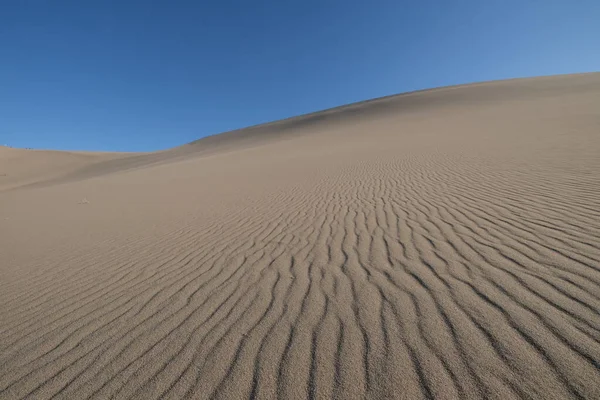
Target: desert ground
{"type": "Point", "coordinates": [440, 244]}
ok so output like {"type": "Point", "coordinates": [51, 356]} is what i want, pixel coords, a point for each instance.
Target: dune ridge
{"type": "Point", "coordinates": [438, 244]}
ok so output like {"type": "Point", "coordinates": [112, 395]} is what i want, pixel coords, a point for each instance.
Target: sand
{"type": "Point", "coordinates": [439, 244]}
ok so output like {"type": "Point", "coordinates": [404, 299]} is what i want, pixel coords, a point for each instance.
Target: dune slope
{"type": "Point", "coordinates": [437, 244]}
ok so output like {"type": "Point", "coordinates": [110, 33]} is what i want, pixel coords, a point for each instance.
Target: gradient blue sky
{"type": "Point", "coordinates": [147, 75]}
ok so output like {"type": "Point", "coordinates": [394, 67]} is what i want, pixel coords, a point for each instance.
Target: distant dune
{"type": "Point", "coordinates": [438, 244]}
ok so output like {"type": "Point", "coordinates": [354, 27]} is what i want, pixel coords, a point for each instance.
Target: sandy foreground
{"type": "Point", "coordinates": [439, 244]}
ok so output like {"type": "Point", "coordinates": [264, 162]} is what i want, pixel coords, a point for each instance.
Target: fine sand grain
{"type": "Point", "coordinates": [439, 244]}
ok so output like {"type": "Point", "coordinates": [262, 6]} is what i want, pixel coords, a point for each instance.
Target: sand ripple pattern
{"type": "Point", "coordinates": [386, 271]}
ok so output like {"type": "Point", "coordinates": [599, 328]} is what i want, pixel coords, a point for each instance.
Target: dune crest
{"type": "Point", "coordinates": [437, 244]}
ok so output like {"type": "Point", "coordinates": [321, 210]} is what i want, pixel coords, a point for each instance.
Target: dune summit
{"type": "Point", "coordinates": [438, 244]}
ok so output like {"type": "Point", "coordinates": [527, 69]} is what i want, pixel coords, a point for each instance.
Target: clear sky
{"type": "Point", "coordinates": [145, 75]}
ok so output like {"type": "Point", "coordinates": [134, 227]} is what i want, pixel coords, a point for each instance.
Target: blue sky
{"type": "Point", "coordinates": [147, 75]}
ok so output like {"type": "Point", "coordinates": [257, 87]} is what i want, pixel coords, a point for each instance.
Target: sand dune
{"type": "Point", "coordinates": [439, 244]}
{"type": "Point", "coordinates": [19, 167]}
